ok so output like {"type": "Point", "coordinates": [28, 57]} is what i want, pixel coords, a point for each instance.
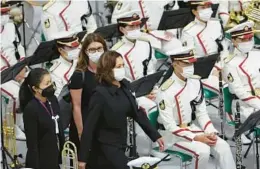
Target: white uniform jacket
{"type": "Point", "coordinates": [8, 36]}
{"type": "Point", "coordinates": [134, 54]}
{"type": "Point", "coordinates": [242, 73]}
{"type": "Point", "coordinates": [61, 72]}
{"type": "Point", "coordinates": [174, 98]}
{"type": "Point", "coordinates": [61, 17]}
{"type": "Point", "coordinates": [202, 36]}
{"type": "Point", "coordinates": [10, 91]}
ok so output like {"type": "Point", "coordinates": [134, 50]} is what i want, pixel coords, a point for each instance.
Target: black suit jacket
{"type": "Point", "coordinates": [108, 126]}
{"type": "Point", "coordinates": [41, 138]}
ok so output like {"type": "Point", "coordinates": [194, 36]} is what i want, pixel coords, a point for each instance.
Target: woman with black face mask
{"type": "Point", "coordinates": [43, 128]}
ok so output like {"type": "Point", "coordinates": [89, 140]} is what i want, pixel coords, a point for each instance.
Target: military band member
{"type": "Point", "coordinates": [12, 50]}
{"type": "Point", "coordinates": [10, 91]}
{"type": "Point", "coordinates": [146, 9]}
{"type": "Point", "coordinates": [241, 70]}
{"type": "Point", "coordinates": [60, 17]}
{"type": "Point", "coordinates": [181, 104]}
{"type": "Point", "coordinates": [139, 60]}
{"type": "Point", "coordinates": [62, 68]}
{"type": "Point", "coordinates": [206, 36]}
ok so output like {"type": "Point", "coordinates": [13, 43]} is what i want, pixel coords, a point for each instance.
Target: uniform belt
{"type": "Point", "coordinates": [183, 125]}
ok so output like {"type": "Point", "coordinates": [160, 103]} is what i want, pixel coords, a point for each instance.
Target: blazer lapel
{"type": "Point", "coordinates": [130, 96]}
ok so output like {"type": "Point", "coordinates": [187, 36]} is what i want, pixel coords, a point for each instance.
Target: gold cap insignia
{"type": "Point", "coordinates": [119, 5]}
{"type": "Point", "coordinates": [145, 166]}
{"type": "Point", "coordinates": [134, 15]}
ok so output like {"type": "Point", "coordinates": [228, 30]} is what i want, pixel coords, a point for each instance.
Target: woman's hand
{"type": "Point", "coordinates": [207, 139]}
{"type": "Point", "coordinates": [161, 144]}
{"type": "Point", "coordinates": [79, 134]}
{"type": "Point", "coordinates": [82, 165]}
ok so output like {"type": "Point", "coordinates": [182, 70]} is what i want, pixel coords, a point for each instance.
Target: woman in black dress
{"type": "Point", "coordinates": [105, 129]}
{"type": "Point", "coordinates": [83, 82]}
{"type": "Point", "coordinates": [43, 130]}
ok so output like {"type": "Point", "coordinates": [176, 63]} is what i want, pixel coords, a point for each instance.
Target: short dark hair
{"type": "Point", "coordinates": [121, 25]}
{"type": "Point", "coordinates": [26, 93]}
{"type": "Point", "coordinates": [105, 66]}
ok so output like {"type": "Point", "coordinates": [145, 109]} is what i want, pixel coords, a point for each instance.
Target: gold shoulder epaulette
{"type": "Point", "coordinates": [117, 45]}
{"type": "Point", "coordinates": [189, 26]}
{"type": "Point", "coordinates": [167, 84]}
{"type": "Point", "coordinates": [229, 58]}
{"type": "Point", "coordinates": [48, 4]}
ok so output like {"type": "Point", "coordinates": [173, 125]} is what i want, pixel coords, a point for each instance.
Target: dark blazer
{"type": "Point", "coordinates": [41, 139]}
{"type": "Point", "coordinates": [105, 125]}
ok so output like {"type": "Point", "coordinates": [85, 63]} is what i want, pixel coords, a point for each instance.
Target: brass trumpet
{"type": "Point", "coordinates": [69, 154]}
{"type": "Point", "coordinates": [253, 11]}
{"type": "Point", "coordinates": [7, 112]}
{"type": "Point", "coordinates": [8, 125]}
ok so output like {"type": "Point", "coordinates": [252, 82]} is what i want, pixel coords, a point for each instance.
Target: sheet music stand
{"type": "Point", "coordinates": [175, 19]}
{"type": "Point", "coordinates": [250, 125]}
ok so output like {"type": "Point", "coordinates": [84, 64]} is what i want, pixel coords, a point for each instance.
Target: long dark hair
{"type": "Point", "coordinates": [105, 66]}
{"type": "Point", "coordinates": [26, 93]}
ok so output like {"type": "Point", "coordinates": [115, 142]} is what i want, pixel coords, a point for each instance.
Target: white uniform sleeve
{"type": "Point", "coordinates": [58, 83]}
{"type": "Point", "coordinates": [50, 28]}
{"type": "Point", "coordinates": [91, 25]}
{"type": "Point", "coordinates": [223, 12]}
{"type": "Point", "coordinates": [21, 51]}
{"type": "Point", "coordinates": [203, 118]}
{"type": "Point", "coordinates": [235, 84]}
{"type": "Point", "coordinates": [166, 116]}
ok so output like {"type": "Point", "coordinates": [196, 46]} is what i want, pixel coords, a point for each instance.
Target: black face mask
{"type": "Point", "coordinates": [48, 91]}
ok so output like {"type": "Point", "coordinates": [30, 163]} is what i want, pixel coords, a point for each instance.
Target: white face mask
{"type": "Point", "coordinates": [4, 19]}
{"type": "Point", "coordinates": [134, 34]}
{"type": "Point", "coordinates": [119, 73]}
{"type": "Point", "coordinates": [205, 14]}
{"type": "Point", "coordinates": [188, 71]}
{"type": "Point", "coordinates": [73, 54]}
{"type": "Point", "coordinates": [94, 57]}
{"type": "Point", "coordinates": [246, 47]}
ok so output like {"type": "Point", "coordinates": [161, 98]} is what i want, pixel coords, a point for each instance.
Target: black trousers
{"type": "Point", "coordinates": [107, 157]}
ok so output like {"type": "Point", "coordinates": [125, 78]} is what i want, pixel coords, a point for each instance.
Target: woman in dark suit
{"type": "Point", "coordinates": [105, 129]}
{"type": "Point", "coordinates": [43, 130]}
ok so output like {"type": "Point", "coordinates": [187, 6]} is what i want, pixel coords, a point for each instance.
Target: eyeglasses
{"type": "Point", "coordinates": [94, 50]}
